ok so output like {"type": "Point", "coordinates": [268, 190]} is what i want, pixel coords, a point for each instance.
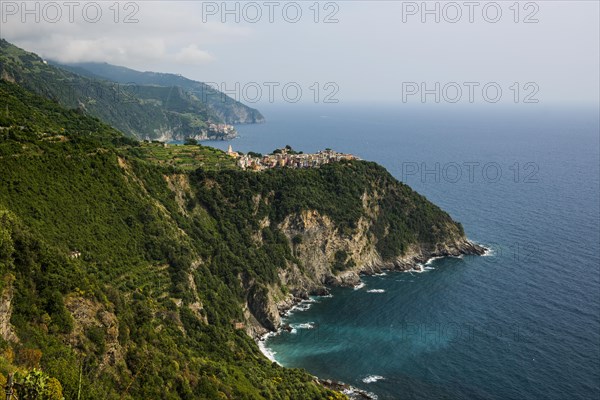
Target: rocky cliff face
{"type": "Point", "coordinates": [165, 134]}
{"type": "Point", "coordinates": [7, 331]}
{"type": "Point", "coordinates": [316, 242]}
{"type": "Point", "coordinates": [237, 113]}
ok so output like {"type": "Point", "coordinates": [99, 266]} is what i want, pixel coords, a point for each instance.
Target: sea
{"type": "Point", "coordinates": [522, 322]}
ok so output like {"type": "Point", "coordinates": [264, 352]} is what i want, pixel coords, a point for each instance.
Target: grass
{"type": "Point", "coordinates": [185, 157]}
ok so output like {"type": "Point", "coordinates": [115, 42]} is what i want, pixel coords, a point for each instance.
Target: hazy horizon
{"type": "Point", "coordinates": [343, 51]}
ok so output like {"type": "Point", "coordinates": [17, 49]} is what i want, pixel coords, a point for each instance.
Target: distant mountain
{"type": "Point", "coordinates": [144, 112]}
{"type": "Point", "coordinates": [226, 108]}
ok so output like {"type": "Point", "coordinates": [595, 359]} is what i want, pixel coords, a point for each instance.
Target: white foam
{"type": "Point", "coordinates": [372, 378]}
{"type": "Point", "coordinates": [432, 259]}
{"type": "Point", "coordinates": [302, 306]}
{"type": "Point", "coordinates": [360, 286]}
{"type": "Point", "coordinates": [351, 392]}
{"type": "Point", "coordinates": [305, 325]}
{"type": "Point", "coordinates": [376, 291]}
{"type": "Point", "coordinates": [381, 274]}
{"type": "Point", "coordinates": [417, 269]}
{"type": "Point", "coordinates": [488, 252]}
{"type": "Point", "coordinates": [262, 345]}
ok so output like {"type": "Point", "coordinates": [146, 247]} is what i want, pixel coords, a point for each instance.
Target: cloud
{"type": "Point", "coordinates": [192, 55]}
{"type": "Point", "coordinates": [161, 31]}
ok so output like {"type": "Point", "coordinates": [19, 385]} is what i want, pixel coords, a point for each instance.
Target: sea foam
{"type": "Point", "coordinates": [262, 345]}
{"type": "Point", "coordinates": [305, 325]}
{"type": "Point", "coordinates": [372, 378]}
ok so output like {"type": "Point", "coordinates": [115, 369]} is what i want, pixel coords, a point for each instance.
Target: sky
{"type": "Point", "coordinates": [466, 52]}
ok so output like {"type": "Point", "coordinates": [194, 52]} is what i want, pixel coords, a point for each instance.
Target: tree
{"type": "Point", "coordinates": [36, 385]}
{"type": "Point", "coordinates": [30, 358]}
{"type": "Point", "coordinates": [190, 142]}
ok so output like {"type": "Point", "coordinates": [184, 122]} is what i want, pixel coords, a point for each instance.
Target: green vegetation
{"type": "Point", "coordinates": [137, 256]}
{"type": "Point", "coordinates": [219, 104]}
{"type": "Point", "coordinates": [142, 111]}
{"type": "Point", "coordinates": [187, 158]}
{"type": "Point", "coordinates": [128, 263]}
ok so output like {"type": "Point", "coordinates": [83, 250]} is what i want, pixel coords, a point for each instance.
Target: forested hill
{"type": "Point", "coordinates": [143, 111]}
{"type": "Point", "coordinates": [226, 108]}
{"type": "Point", "coordinates": [126, 273]}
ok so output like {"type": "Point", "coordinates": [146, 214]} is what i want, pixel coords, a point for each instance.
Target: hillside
{"type": "Point", "coordinates": [225, 107]}
{"type": "Point", "coordinates": [149, 278]}
{"type": "Point", "coordinates": [144, 112]}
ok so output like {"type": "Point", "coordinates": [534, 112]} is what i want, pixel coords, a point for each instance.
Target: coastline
{"type": "Point", "coordinates": [286, 307]}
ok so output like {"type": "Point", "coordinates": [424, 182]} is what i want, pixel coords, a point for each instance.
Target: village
{"type": "Point", "coordinates": [287, 158]}
{"type": "Point", "coordinates": [219, 132]}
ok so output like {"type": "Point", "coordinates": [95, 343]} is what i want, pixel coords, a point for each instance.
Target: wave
{"type": "Point", "coordinates": [376, 291]}
{"type": "Point", "coordinates": [417, 269]}
{"type": "Point", "coordinates": [487, 252]}
{"type": "Point", "coordinates": [354, 393]}
{"type": "Point", "coordinates": [262, 345]}
{"type": "Point", "coordinates": [304, 305]}
{"type": "Point", "coordinates": [360, 286]}
{"type": "Point", "coordinates": [305, 325]}
{"type": "Point", "coordinates": [432, 259]}
{"type": "Point", "coordinates": [372, 378]}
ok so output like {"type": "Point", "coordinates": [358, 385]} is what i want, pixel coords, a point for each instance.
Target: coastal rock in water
{"type": "Point", "coordinates": [346, 278]}
{"type": "Point", "coordinates": [315, 241]}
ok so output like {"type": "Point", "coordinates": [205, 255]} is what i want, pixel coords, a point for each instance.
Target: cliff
{"type": "Point", "coordinates": [325, 253]}
{"type": "Point", "coordinates": [129, 276]}
{"type": "Point", "coordinates": [222, 106]}
{"type": "Point", "coordinates": [176, 109]}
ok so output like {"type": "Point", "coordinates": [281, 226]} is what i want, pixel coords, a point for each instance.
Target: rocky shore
{"type": "Point", "coordinates": [268, 310]}
{"type": "Point", "coordinates": [412, 261]}
{"type": "Point", "coordinates": [350, 391]}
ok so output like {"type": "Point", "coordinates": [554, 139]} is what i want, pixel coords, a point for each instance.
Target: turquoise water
{"type": "Point", "coordinates": [522, 323]}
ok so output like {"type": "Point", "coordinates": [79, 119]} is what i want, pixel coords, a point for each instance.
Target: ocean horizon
{"type": "Point", "coordinates": [521, 323]}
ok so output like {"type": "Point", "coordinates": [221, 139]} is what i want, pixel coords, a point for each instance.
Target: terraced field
{"type": "Point", "coordinates": [185, 157]}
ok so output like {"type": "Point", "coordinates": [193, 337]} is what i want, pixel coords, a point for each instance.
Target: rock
{"type": "Point", "coordinates": [263, 307]}
{"type": "Point", "coordinates": [350, 391]}
{"type": "Point", "coordinates": [321, 291]}
{"type": "Point", "coordinates": [7, 331]}
{"type": "Point", "coordinates": [316, 251]}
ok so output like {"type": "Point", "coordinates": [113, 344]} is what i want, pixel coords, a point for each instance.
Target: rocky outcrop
{"type": "Point", "coordinates": [316, 242]}
{"type": "Point", "coordinates": [350, 391]}
{"type": "Point", "coordinates": [7, 331]}
{"type": "Point", "coordinates": [90, 314]}
{"type": "Point", "coordinates": [263, 307]}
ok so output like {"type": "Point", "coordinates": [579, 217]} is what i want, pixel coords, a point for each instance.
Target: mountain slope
{"type": "Point", "coordinates": [228, 109]}
{"type": "Point", "coordinates": [150, 280]}
{"type": "Point", "coordinates": [144, 112]}
{"type": "Point", "coordinates": [140, 310]}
